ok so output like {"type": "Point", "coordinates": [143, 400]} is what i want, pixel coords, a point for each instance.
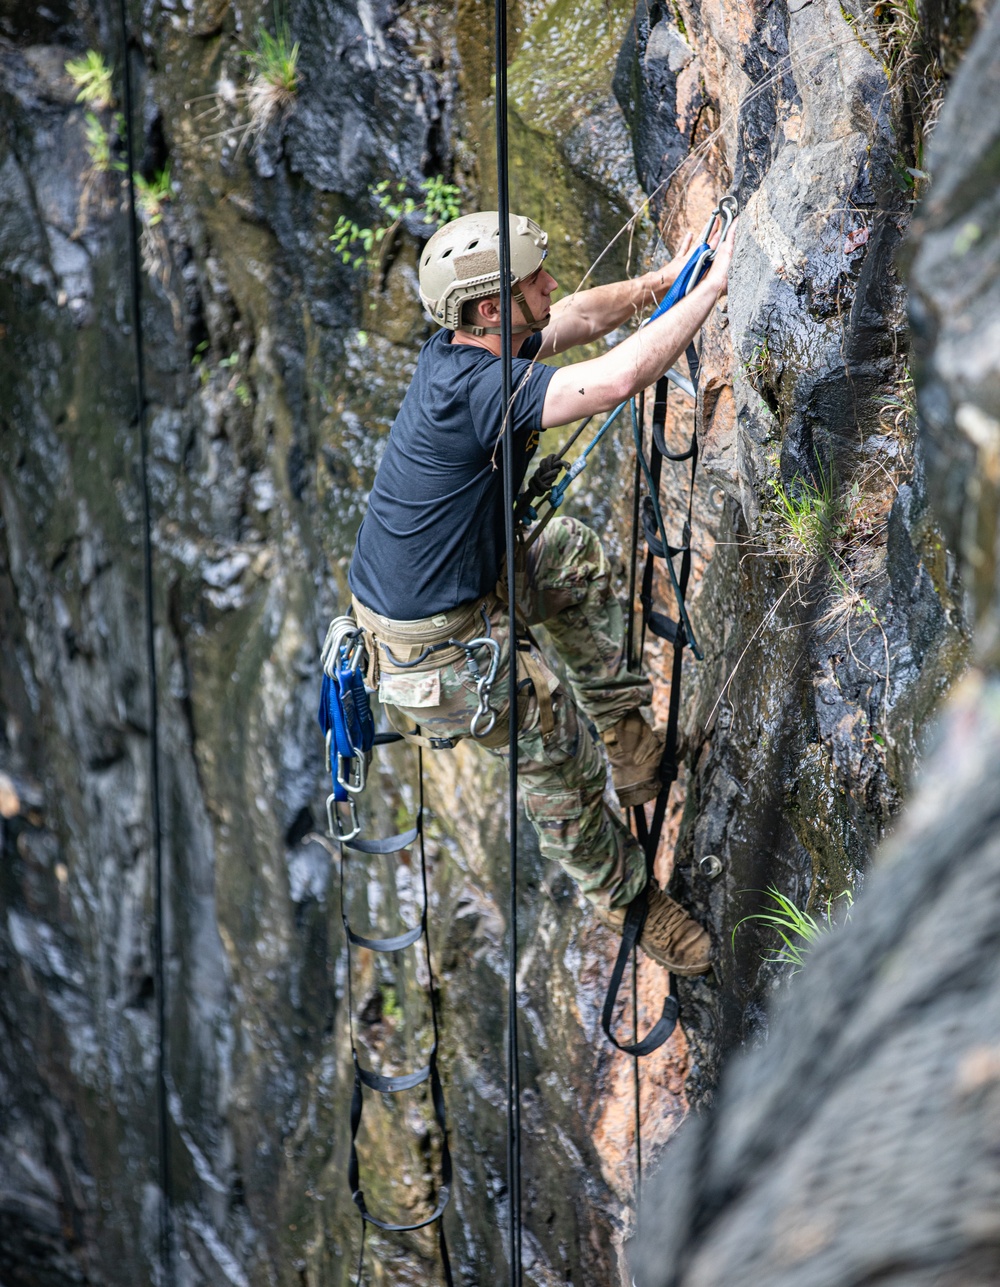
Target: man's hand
{"type": "Point", "coordinates": [718, 275]}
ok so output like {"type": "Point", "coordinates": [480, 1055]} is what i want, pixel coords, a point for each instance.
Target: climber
{"type": "Point", "coordinates": [429, 556]}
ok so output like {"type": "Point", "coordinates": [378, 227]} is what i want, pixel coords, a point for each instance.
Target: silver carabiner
{"type": "Point", "coordinates": [494, 650]}
{"type": "Point", "coordinates": [726, 211]}
{"type": "Point", "coordinates": [341, 629]}
{"type": "Point", "coordinates": [484, 685]}
{"type": "Point", "coordinates": [357, 773]}
{"type": "Point", "coordinates": [484, 709]}
{"type": "Point", "coordinates": [333, 821]}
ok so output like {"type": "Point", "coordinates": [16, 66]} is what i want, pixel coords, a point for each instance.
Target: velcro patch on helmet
{"type": "Point", "coordinates": [476, 263]}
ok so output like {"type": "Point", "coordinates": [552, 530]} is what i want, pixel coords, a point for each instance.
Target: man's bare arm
{"type": "Point", "coordinates": [600, 384]}
{"type": "Point", "coordinates": [587, 315]}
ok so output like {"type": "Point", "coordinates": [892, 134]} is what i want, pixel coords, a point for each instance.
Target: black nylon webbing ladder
{"type": "Point", "coordinates": [400, 1083]}
{"type": "Point", "coordinates": [679, 635]}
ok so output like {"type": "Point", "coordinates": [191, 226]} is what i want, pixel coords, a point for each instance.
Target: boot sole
{"type": "Point", "coordinates": [685, 971]}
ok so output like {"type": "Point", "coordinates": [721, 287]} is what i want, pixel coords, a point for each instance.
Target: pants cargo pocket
{"type": "Point", "coordinates": [557, 816]}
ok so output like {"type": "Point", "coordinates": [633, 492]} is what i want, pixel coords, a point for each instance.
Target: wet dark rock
{"type": "Point", "coordinates": [858, 1145]}
{"type": "Point", "coordinates": [272, 374]}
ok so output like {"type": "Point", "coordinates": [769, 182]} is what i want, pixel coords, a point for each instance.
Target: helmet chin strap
{"type": "Point", "coordinates": [530, 325]}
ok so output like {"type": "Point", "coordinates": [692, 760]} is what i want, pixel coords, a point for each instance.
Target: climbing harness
{"type": "Point", "coordinates": [484, 681]}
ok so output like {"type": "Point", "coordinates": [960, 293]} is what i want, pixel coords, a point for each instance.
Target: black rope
{"type": "Point", "coordinates": [159, 948]}
{"type": "Point", "coordinates": [509, 498]}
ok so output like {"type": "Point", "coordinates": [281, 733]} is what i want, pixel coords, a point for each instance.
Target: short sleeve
{"type": "Point", "coordinates": [530, 382]}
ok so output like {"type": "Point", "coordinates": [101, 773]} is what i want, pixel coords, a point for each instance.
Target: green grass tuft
{"type": "Point", "coordinates": [798, 930]}
{"type": "Point", "coordinates": [440, 202]}
{"type": "Point", "coordinates": [92, 77]}
{"type": "Point", "coordinates": [274, 74]}
{"type": "Point", "coordinates": [152, 194]}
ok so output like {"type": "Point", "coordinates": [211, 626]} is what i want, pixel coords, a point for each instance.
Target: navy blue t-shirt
{"type": "Point", "coordinates": [433, 536]}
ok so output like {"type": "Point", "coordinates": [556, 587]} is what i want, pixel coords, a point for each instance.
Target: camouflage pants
{"type": "Point", "coordinates": [564, 586]}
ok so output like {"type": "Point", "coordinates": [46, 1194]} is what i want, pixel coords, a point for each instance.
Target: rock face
{"type": "Point", "coordinates": [860, 1145]}
{"type": "Point", "coordinates": [829, 613]}
{"type": "Point", "coordinates": [272, 373]}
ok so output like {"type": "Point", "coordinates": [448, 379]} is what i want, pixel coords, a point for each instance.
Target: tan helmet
{"type": "Point", "coordinates": [462, 262]}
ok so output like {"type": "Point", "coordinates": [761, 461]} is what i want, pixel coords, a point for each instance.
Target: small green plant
{"type": "Point", "coordinates": [274, 74]}
{"type": "Point", "coordinates": [797, 929]}
{"type": "Point", "coordinates": [759, 366]}
{"type": "Point", "coordinates": [442, 201]}
{"type": "Point", "coordinates": [103, 145]}
{"type": "Point", "coordinates": [92, 77]}
{"type": "Point", "coordinates": [98, 144]}
{"type": "Point", "coordinates": [237, 384]}
{"type": "Point", "coordinates": [151, 195]}
{"type": "Point", "coordinates": [355, 244]}
{"type": "Point", "coordinates": [391, 1009]}
{"type": "Point", "coordinates": [810, 515]}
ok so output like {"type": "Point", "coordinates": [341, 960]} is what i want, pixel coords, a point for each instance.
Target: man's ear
{"type": "Point", "coordinates": [489, 310]}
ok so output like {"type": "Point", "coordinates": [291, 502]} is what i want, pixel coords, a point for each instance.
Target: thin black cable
{"type": "Point", "coordinates": [159, 953]}
{"type": "Point", "coordinates": [636, 1086]}
{"type": "Point", "coordinates": [506, 359]}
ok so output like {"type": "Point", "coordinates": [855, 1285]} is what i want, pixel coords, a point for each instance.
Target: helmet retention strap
{"type": "Point", "coordinates": [530, 324]}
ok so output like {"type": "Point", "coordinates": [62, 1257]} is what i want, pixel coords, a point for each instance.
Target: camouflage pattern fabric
{"type": "Point", "coordinates": [564, 585]}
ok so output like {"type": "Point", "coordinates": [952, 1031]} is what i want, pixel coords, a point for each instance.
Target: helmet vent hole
{"type": "Point", "coordinates": [446, 253]}
{"type": "Point", "coordinates": [472, 244]}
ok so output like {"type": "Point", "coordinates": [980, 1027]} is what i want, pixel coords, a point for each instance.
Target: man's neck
{"type": "Point", "coordinates": [491, 343]}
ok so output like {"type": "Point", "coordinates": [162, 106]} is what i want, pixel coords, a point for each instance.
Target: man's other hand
{"type": "Point", "coordinates": [718, 275]}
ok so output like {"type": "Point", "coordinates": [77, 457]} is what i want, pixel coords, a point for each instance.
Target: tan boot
{"type": "Point", "coordinates": [634, 750]}
{"type": "Point", "coordinates": [669, 935]}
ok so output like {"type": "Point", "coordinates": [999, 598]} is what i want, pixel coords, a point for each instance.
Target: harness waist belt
{"type": "Point", "coordinates": [402, 641]}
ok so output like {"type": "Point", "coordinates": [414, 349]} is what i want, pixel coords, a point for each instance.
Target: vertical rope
{"type": "Point", "coordinates": [506, 358]}
{"type": "Point", "coordinates": [633, 664]}
{"type": "Point", "coordinates": [159, 950]}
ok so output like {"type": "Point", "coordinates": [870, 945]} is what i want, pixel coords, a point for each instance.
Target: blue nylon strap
{"type": "Point", "coordinates": [687, 279]}
{"type": "Point", "coordinates": [345, 712]}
